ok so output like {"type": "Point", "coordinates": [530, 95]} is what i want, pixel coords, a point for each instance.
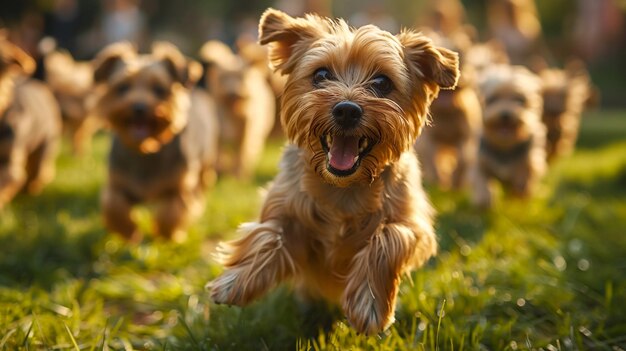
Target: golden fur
{"type": "Point", "coordinates": [72, 84]}
{"type": "Point", "coordinates": [247, 106]}
{"type": "Point", "coordinates": [30, 126]}
{"type": "Point", "coordinates": [566, 92]}
{"type": "Point", "coordinates": [448, 146]}
{"type": "Point", "coordinates": [512, 148]}
{"type": "Point", "coordinates": [347, 238]}
{"type": "Point", "coordinates": [165, 137]}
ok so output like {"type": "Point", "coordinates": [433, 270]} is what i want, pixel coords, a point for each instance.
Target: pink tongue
{"type": "Point", "coordinates": [343, 152]}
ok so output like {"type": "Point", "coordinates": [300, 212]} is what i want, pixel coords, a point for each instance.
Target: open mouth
{"type": "Point", "coordinates": [345, 152]}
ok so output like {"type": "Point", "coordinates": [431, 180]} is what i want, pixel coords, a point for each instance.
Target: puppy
{"type": "Point", "coordinates": [512, 145]}
{"type": "Point", "coordinates": [72, 84]}
{"type": "Point", "coordinates": [346, 216]}
{"type": "Point", "coordinates": [247, 107]}
{"type": "Point", "coordinates": [165, 137]}
{"type": "Point", "coordinates": [30, 126]}
{"type": "Point", "coordinates": [448, 146]}
{"type": "Point", "coordinates": [566, 93]}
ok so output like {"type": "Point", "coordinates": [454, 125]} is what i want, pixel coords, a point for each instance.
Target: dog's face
{"type": "Point", "coordinates": [355, 99]}
{"type": "Point", "coordinates": [512, 104]}
{"type": "Point", "coordinates": [145, 97]}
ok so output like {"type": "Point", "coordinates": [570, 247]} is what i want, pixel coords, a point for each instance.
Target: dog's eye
{"type": "Point", "coordinates": [321, 75]}
{"type": "Point", "coordinates": [381, 85]}
{"type": "Point", "coordinates": [520, 99]}
{"type": "Point", "coordinates": [122, 88]}
{"type": "Point", "coordinates": [159, 91]}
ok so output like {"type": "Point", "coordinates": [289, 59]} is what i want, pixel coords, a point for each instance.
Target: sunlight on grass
{"type": "Point", "coordinates": [545, 273]}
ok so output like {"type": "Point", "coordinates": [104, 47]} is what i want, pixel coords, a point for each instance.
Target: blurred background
{"type": "Point", "coordinates": [593, 30]}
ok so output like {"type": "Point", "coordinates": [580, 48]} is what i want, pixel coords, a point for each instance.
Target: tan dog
{"type": "Point", "coordinates": [512, 146]}
{"type": "Point", "coordinates": [448, 146]}
{"type": "Point", "coordinates": [566, 93]}
{"type": "Point", "coordinates": [30, 126]}
{"type": "Point", "coordinates": [247, 107]}
{"type": "Point", "coordinates": [346, 216]}
{"type": "Point", "coordinates": [165, 137]}
{"type": "Point", "coordinates": [72, 84]}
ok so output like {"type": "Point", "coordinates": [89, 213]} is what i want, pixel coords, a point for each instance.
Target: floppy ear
{"type": "Point", "coordinates": [14, 58]}
{"type": "Point", "coordinates": [110, 58]}
{"type": "Point", "coordinates": [287, 36]}
{"type": "Point", "coordinates": [186, 72]}
{"type": "Point", "coordinates": [435, 64]}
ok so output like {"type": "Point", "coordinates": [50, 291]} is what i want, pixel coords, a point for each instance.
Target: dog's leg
{"type": "Point", "coordinates": [116, 209]}
{"type": "Point", "coordinates": [465, 152]}
{"type": "Point", "coordinates": [254, 264]}
{"type": "Point", "coordinates": [173, 214]}
{"type": "Point", "coordinates": [12, 177]}
{"type": "Point", "coordinates": [40, 167]}
{"type": "Point", "coordinates": [481, 191]}
{"type": "Point", "coordinates": [372, 285]}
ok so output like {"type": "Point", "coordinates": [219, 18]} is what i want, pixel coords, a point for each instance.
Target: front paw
{"type": "Point", "coordinates": [367, 314]}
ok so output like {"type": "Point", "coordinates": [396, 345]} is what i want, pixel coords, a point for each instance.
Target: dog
{"type": "Point", "coordinates": [346, 216]}
{"type": "Point", "coordinates": [72, 84]}
{"type": "Point", "coordinates": [247, 107]}
{"type": "Point", "coordinates": [164, 141]}
{"type": "Point", "coordinates": [30, 126]}
{"type": "Point", "coordinates": [449, 145]}
{"type": "Point", "coordinates": [515, 23]}
{"type": "Point", "coordinates": [566, 94]}
{"type": "Point", "coordinates": [512, 145]}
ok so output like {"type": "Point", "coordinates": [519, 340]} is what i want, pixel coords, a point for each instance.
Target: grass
{"type": "Point", "coordinates": [541, 274]}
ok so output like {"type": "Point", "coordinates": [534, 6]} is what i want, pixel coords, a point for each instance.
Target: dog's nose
{"type": "Point", "coordinates": [506, 116]}
{"type": "Point", "coordinates": [347, 114]}
{"type": "Point", "coordinates": [139, 109]}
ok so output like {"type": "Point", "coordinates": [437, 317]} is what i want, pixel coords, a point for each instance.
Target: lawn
{"type": "Point", "coordinates": [549, 273]}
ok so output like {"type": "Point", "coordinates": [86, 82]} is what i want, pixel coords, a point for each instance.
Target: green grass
{"type": "Point", "coordinates": [542, 274]}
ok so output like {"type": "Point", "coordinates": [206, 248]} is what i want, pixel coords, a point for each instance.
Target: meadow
{"type": "Point", "coordinates": [543, 274]}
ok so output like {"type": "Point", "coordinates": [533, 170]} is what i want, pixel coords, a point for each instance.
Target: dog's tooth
{"type": "Point", "coordinates": [329, 140]}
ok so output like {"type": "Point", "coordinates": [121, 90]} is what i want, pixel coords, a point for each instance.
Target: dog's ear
{"type": "Point", "coordinates": [187, 72]}
{"type": "Point", "coordinates": [12, 58]}
{"type": "Point", "coordinates": [578, 76]}
{"type": "Point", "coordinates": [110, 59]}
{"type": "Point", "coordinates": [436, 64]}
{"type": "Point", "coordinates": [288, 37]}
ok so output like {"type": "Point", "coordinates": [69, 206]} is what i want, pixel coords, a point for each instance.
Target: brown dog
{"type": "Point", "coordinates": [30, 126]}
{"type": "Point", "coordinates": [566, 93]}
{"type": "Point", "coordinates": [512, 146]}
{"type": "Point", "coordinates": [72, 84]}
{"type": "Point", "coordinates": [346, 216]}
{"type": "Point", "coordinates": [246, 103]}
{"type": "Point", "coordinates": [448, 146]}
{"type": "Point", "coordinates": [165, 137]}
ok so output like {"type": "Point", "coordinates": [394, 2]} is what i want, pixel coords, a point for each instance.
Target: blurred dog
{"type": "Point", "coordinates": [165, 137]}
{"type": "Point", "coordinates": [566, 93]}
{"type": "Point", "coordinates": [30, 126]}
{"type": "Point", "coordinates": [448, 146]}
{"type": "Point", "coordinates": [346, 216]}
{"type": "Point", "coordinates": [515, 23]}
{"type": "Point", "coordinates": [246, 103]}
{"type": "Point", "coordinates": [512, 146]}
{"type": "Point", "coordinates": [480, 56]}
{"type": "Point", "coordinates": [72, 84]}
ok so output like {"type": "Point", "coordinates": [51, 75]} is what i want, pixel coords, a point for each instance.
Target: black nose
{"type": "Point", "coordinates": [347, 114]}
{"type": "Point", "coordinates": [139, 109]}
{"type": "Point", "coordinates": [506, 116]}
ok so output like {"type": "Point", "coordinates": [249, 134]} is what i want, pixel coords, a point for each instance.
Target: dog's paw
{"type": "Point", "coordinates": [365, 313]}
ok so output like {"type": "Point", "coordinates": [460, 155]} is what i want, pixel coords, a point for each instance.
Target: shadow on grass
{"type": "Point", "coordinates": [51, 238]}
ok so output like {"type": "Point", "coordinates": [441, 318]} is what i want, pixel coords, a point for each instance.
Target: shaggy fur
{"type": "Point", "coordinates": [448, 146]}
{"type": "Point", "coordinates": [165, 137]}
{"type": "Point", "coordinates": [346, 236]}
{"type": "Point", "coordinates": [566, 93]}
{"type": "Point", "coordinates": [512, 146]}
{"type": "Point", "coordinates": [30, 126]}
{"type": "Point", "coordinates": [247, 107]}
